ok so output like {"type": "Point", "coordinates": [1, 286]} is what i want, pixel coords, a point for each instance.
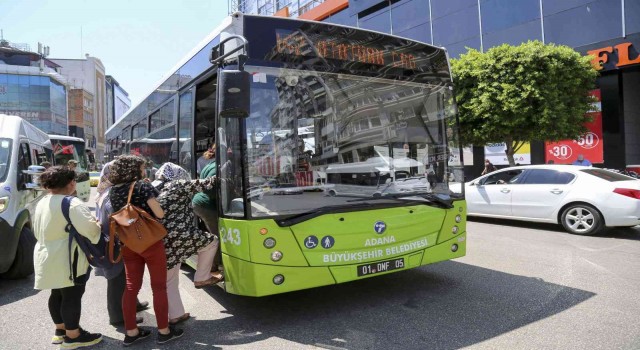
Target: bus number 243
{"type": "Point", "coordinates": [230, 235]}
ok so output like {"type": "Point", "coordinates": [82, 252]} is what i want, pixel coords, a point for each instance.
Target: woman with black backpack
{"type": "Point", "coordinates": [52, 255]}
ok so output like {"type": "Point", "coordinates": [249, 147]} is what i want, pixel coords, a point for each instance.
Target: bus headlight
{"type": "Point", "coordinates": [458, 218]}
{"type": "Point", "coordinates": [269, 243]}
{"type": "Point", "coordinates": [4, 203]}
{"type": "Point", "coordinates": [278, 279]}
{"type": "Point", "coordinates": [454, 229]}
{"type": "Point", "coordinates": [276, 256]}
{"type": "Point", "coordinates": [454, 248]}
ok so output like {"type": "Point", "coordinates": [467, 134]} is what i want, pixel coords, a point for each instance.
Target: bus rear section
{"type": "Point", "coordinates": [261, 257]}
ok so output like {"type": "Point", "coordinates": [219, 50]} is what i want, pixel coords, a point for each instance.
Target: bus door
{"type": "Point", "coordinates": [204, 136]}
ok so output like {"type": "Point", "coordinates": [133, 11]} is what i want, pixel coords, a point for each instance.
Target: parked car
{"type": "Point", "coordinates": [256, 193]}
{"type": "Point", "coordinates": [286, 189]}
{"type": "Point", "coordinates": [94, 178]}
{"type": "Point", "coordinates": [583, 200]}
{"type": "Point", "coordinates": [409, 184]}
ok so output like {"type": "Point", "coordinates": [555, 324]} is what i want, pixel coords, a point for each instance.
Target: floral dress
{"type": "Point", "coordinates": [184, 238]}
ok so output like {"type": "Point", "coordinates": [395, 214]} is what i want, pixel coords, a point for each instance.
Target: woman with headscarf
{"type": "Point", "coordinates": [116, 280]}
{"type": "Point", "coordinates": [127, 171]}
{"type": "Point", "coordinates": [184, 238]}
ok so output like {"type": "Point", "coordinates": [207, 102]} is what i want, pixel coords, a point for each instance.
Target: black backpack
{"type": "Point", "coordinates": [96, 253]}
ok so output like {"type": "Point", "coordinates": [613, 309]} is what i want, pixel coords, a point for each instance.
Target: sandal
{"type": "Point", "coordinates": [175, 321]}
{"type": "Point", "coordinates": [209, 282]}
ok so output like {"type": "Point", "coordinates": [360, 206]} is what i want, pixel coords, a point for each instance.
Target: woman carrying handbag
{"type": "Point", "coordinates": [127, 173]}
{"type": "Point", "coordinates": [184, 238]}
{"type": "Point", "coordinates": [116, 279]}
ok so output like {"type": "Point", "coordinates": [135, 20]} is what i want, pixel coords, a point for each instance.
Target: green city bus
{"type": "Point", "coordinates": [287, 102]}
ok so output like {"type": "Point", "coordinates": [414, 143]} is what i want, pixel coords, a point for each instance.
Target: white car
{"type": "Point", "coordinates": [582, 199]}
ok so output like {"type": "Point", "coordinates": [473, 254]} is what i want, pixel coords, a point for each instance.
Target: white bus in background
{"type": "Point", "coordinates": [377, 176]}
{"type": "Point", "coordinates": [66, 148]}
{"type": "Point", "coordinates": [22, 148]}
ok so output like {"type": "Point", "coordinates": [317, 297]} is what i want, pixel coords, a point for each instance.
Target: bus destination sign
{"type": "Point", "coordinates": [298, 44]}
{"type": "Point", "coordinates": [325, 47]}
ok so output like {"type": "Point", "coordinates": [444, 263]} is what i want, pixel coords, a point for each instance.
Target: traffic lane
{"type": "Point", "coordinates": [520, 283]}
{"type": "Point", "coordinates": [542, 289]}
{"type": "Point", "coordinates": [606, 265]}
{"type": "Point", "coordinates": [518, 287]}
{"type": "Point", "coordinates": [445, 306]}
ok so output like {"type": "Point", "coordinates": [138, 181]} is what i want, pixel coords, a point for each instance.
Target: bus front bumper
{"type": "Point", "coordinates": [252, 279]}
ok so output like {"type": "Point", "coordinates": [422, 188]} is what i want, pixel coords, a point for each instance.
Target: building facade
{"type": "Point", "coordinates": [30, 87]}
{"type": "Point", "coordinates": [89, 74]}
{"type": "Point", "coordinates": [118, 101]}
{"type": "Point", "coordinates": [81, 114]}
{"type": "Point", "coordinates": [609, 30]}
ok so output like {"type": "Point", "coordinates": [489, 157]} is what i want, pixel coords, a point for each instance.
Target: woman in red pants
{"type": "Point", "coordinates": [127, 170]}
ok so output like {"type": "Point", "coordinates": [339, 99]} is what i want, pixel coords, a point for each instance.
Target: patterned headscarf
{"type": "Point", "coordinates": [126, 169]}
{"type": "Point", "coordinates": [172, 172]}
{"type": "Point", "coordinates": [104, 184]}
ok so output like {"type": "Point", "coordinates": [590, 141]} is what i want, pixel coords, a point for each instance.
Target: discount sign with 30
{"type": "Point", "coordinates": [589, 144]}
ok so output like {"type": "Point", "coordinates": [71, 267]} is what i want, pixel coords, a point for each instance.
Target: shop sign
{"type": "Point", "coordinates": [590, 145]}
{"type": "Point", "coordinates": [612, 57]}
{"type": "Point", "coordinates": [496, 153]}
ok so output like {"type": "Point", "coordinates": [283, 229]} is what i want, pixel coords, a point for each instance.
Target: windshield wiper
{"type": "Point", "coordinates": [422, 196]}
{"type": "Point", "coordinates": [434, 198]}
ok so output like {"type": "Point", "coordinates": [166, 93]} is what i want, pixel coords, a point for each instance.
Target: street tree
{"type": "Point", "coordinates": [518, 94]}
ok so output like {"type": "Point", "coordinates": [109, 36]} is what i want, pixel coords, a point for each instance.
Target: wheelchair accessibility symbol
{"type": "Point", "coordinates": [311, 242]}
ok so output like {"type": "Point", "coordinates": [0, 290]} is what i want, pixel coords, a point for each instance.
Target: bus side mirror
{"type": "Point", "coordinates": [33, 173]}
{"type": "Point", "coordinates": [235, 92]}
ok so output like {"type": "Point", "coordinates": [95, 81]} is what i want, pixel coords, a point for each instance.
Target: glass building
{"type": "Point", "coordinates": [37, 95]}
{"type": "Point", "coordinates": [607, 29]}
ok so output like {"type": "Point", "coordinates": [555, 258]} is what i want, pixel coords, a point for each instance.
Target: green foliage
{"type": "Point", "coordinates": [518, 94]}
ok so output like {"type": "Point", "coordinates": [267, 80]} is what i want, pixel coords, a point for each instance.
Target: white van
{"type": "Point", "coordinates": [22, 148]}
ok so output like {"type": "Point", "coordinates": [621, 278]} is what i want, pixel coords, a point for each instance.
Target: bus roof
{"type": "Point", "coordinates": [228, 26]}
{"type": "Point", "coordinates": [65, 138]}
{"type": "Point", "coordinates": [225, 23]}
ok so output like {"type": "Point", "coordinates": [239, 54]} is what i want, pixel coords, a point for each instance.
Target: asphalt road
{"type": "Point", "coordinates": [521, 286]}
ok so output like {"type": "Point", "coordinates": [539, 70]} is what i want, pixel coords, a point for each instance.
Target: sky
{"type": "Point", "coordinates": [138, 41]}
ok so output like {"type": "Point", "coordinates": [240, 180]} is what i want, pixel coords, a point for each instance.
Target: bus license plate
{"type": "Point", "coordinates": [383, 266]}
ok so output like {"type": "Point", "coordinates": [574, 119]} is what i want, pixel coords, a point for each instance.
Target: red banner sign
{"type": "Point", "coordinates": [589, 145]}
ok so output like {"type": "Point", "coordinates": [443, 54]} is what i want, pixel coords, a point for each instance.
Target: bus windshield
{"type": "Point", "coordinates": [334, 137]}
{"type": "Point", "coordinates": [5, 157]}
{"type": "Point", "coordinates": [66, 150]}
